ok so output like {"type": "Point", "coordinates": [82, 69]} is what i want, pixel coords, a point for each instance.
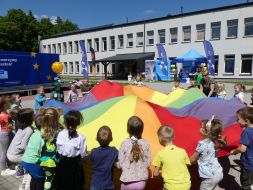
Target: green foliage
{"type": "Point", "coordinates": [20, 31]}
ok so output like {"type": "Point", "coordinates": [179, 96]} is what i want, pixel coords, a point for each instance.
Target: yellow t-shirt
{"type": "Point", "coordinates": [174, 161]}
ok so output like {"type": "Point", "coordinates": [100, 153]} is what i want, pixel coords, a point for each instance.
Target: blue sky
{"type": "Point", "coordinates": [89, 13]}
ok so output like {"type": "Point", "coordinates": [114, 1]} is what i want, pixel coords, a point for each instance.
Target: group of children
{"type": "Point", "coordinates": [219, 90]}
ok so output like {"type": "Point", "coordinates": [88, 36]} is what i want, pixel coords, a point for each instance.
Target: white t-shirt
{"type": "Point", "coordinates": [240, 96]}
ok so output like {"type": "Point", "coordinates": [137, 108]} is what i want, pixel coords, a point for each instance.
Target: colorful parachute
{"type": "Point", "coordinates": [112, 104]}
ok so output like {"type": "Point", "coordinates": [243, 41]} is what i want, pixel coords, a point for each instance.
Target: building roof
{"type": "Point", "coordinates": [127, 57]}
{"type": "Point", "coordinates": [110, 26]}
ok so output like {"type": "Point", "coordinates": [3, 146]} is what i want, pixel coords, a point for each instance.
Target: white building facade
{"type": "Point", "coordinates": [229, 29]}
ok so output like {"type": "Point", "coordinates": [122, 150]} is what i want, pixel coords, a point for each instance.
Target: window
{"type": "Point", "coordinates": [48, 48]}
{"type": "Point", "coordinates": [216, 64]}
{"type": "Point", "coordinates": [130, 40]}
{"type": "Point", "coordinates": [44, 48]}
{"type": "Point", "coordinates": [201, 29]}
{"type": "Point", "coordinates": [104, 44]}
{"type": "Point", "coordinates": [70, 48]}
{"type": "Point", "coordinates": [120, 41]}
{"type": "Point", "coordinates": [65, 67]}
{"type": "Point", "coordinates": [90, 66]}
{"type": "Point", "coordinates": [77, 67]}
{"type": "Point", "coordinates": [246, 67]}
{"type": "Point", "coordinates": [113, 68]}
{"type": "Point", "coordinates": [161, 36]}
{"type": "Point", "coordinates": [139, 39]}
{"type": "Point", "coordinates": [232, 28]}
{"type": "Point", "coordinates": [112, 42]}
{"type": "Point", "coordinates": [98, 66]}
{"type": "Point", "coordinates": [64, 47]}
{"type": "Point", "coordinates": [59, 48]}
{"type": "Point", "coordinates": [96, 44]}
{"type": "Point", "coordinates": [53, 48]}
{"type": "Point", "coordinates": [173, 35]}
{"type": "Point", "coordinates": [76, 47]}
{"type": "Point", "coordinates": [89, 45]}
{"type": "Point", "coordinates": [150, 37]}
{"type": "Point", "coordinates": [248, 26]}
{"type": "Point", "coordinates": [215, 33]}
{"type": "Point", "coordinates": [71, 68]}
{"type": "Point", "coordinates": [187, 33]}
{"type": "Point", "coordinates": [229, 64]}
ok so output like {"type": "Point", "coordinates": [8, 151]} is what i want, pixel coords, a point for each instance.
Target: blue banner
{"type": "Point", "coordinates": [210, 57]}
{"type": "Point", "coordinates": [164, 65]}
{"type": "Point", "coordinates": [84, 59]}
{"type": "Point", "coordinates": [24, 68]}
{"type": "Point", "coordinates": [150, 69]}
{"type": "Point", "coordinates": [160, 73]}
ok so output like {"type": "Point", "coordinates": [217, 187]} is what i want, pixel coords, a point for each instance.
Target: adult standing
{"type": "Point", "coordinates": [207, 85]}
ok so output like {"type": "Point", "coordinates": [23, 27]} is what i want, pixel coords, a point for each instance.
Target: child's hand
{"type": "Point", "coordinates": [232, 152]}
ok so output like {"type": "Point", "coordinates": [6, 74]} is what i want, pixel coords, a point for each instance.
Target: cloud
{"type": "Point", "coordinates": [148, 12]}
{"type": "Point", "coordinates": [36, 16]}
{"type": "Point", "coordinates": [44, 16]}
{"type": "Point", "coordinates": [53, 19]}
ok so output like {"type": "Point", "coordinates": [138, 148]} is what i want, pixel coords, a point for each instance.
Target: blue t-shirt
{"type": "Point", "coordinates": [247, 140]}
{"type": "Point", "coordinates": [103, 159]}
{"type": "Point", "coordinates": [39, 101]}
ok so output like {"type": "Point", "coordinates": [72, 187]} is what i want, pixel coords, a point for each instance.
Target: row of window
{"type": "Point", "coordinates": [232, 32]}
{"type": "Point", "coordinates": [74, 68]}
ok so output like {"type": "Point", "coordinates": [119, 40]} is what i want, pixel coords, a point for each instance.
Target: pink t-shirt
{"type": "Point", "coordinates": [4, 122]}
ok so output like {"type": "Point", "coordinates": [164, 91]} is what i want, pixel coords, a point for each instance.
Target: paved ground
{"type": "Point", "coordinates": [230, 164]}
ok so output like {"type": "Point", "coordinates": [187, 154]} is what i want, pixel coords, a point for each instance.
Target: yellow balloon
{"type": "Point", "coordinates": [57, 67]}
{"type": "Point", "coordinates": [173, 70]}
{"type": "Point", "coordinates": [204, 68]}
{"type": "Point", "coordinates": [172, 66]}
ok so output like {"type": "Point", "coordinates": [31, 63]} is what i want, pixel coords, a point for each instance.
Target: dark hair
{"type": "Point", "coordinates": [178, 81]}
{"type": "Point", "coordinates": [215, 133]}
{"type": "Point", "coordinates": [135, 126]}
{"type": "Point", "coordinates": [104, 136]}
{"type": "Point", "coordinates": [246, 114]}
{"type": "Point", "coordinates": [39, 121]}
{"type": "Point", "coordinates": [240, 86]}
{"type": "Point", "coordinates": [165, 134]}
{"type": "Point", "coordinates": [25, 118]}
{"type": "Point", "coordinates": [4, 103]}
{"type": "Point", "coordinates": [72, 119]}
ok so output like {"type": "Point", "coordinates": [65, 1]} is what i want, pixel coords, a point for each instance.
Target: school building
{"type": "Point", "coordinates": [123, 48]}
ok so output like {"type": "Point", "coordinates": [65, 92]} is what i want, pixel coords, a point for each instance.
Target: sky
{"type": "Point", "coordinates": [91, 13]}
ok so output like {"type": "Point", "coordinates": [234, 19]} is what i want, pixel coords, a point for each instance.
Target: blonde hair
{"type": "Point", "coordinates": [50, 123]}
{"type": "Point", "coordinates": [165, 134]}
{"type": "Point", "coordinates": [220, 84]}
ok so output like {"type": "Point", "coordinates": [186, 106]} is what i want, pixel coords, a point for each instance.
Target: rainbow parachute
{"type": "Point", "coordinates": [112, 104]}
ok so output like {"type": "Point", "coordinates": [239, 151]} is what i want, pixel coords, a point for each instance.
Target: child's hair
{"type": "Point", "coordinates": [4, 103]}
{"type": "Point", "coordinates": [39, 121]}
{"type": "Point", "coordinates": [40, 88]}
{"type": "Point", "coordinates": [13, 98]}
{"type": "Point", "coordinates": [240, 86]}
{"type": "Point", "coordinates": [104, 136]}
{"type": "Point", "coordinates": [246, 114]}
{"type": "Point", "coordinates": [50, 123]}
{"type": "Point", "coordinates": [72, 119]}
{"type": "Point", "coordinates": [135, 128]}
{"type": "Point", "coordinates": [214, 133]}
{"type": "Point", "coordinates": [165, 134]}
{"type": "Point", "coordinates": [220, 84]}
{"type": "Point", "coordinates": [177, 81]}
{"type": "Point", "coordinates": [25, 118]}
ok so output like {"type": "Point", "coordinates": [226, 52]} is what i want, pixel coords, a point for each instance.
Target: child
{"type": "Point", "coordinates": [40, 98]}
{"type": "Point", "coordinates": [138, 81]}
{"type": "Point", "coordinates": [173, 161]}
{"type": "Point", "coordinates": [31, 158]}
{"type": "Point", "coordinates": [4, 136]}
{"type": "Point", "coordinates": [176, 85]}
{"type": "Point", "coordinates": [15, 101]}
{"type": "Point", "coordinates": [73, 94]}
{"type": "Point", "coordinates": [239, 89]}
{"type": "Point", "coordinates": [57, 94]}
{"type": "Point", "coordinates": [103, 159]}
{"type": "Point", "coordinates": [210, 169]}
{"type": "Point", "coordinates": [49, 159]}
{"type": "Point", "coordinates": [72, 147]}
{"type": "Point", "coordinates": [193, 83]}
{"type": "Point", "coordinates": [220, 90]}
{"type": "Point", "coordinates": [246, 148]}
{"type": "Point", "coordinates": [134, 157]}
{"type": "Point", "coordinates": [25, 118]}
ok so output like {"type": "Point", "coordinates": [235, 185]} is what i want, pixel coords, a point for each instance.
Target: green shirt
{"type": "Point", "coordinates": [199, 78]}
{"type": "Point", "coordinates": [33, 149]}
